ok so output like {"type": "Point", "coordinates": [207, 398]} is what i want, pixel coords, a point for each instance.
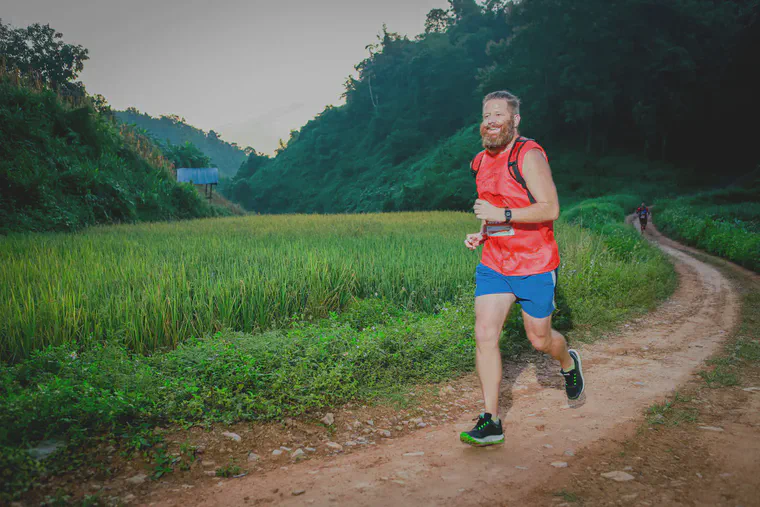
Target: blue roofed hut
{"type": "Point", "coordinates": [208, 176]}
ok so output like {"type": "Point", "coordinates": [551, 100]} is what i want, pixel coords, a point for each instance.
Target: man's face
{"type": "Point", "coordinates": [499, 125]}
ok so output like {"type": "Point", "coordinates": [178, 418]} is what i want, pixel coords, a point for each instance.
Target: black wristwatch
{"type": "Point", "coordinates": [507, 215]}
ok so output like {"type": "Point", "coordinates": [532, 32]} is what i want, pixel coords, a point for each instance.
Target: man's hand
{"type": "Point", "coordinates": [484, 210]}
{"type": "Point", "coordinates": [472, 241]}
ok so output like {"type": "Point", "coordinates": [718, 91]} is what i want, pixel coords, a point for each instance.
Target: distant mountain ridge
{"type": "Point", "coordinates": [226, 156]}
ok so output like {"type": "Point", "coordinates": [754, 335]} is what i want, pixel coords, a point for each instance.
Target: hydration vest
{"type": "Point", "coordinates": [513, 166]}
{"type": "Point", "coordinates": [517, 249]}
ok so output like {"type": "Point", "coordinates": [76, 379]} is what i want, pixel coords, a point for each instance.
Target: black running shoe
{"type": "Point", "coordinates": [574, 378]}
{"type": "Point", "coordinates": [485, 432]}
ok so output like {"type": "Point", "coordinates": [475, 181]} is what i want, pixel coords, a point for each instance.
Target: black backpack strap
{"type": "Point", "coordinates": [514, 167]}
{"type": "Point", "coordinates": [476, 163]}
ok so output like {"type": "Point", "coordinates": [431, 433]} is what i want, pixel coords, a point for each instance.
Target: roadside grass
{"type": "Point", "coordinates": [567, 496]}
{"type": "Point", "coordinates": [672, 412]}
{"type": "Point", "coordinates": [743, 349]}
{"type": "Point", "coordinates": [725, 369]}
{"type": "Point", "coordinates": [723, 222]}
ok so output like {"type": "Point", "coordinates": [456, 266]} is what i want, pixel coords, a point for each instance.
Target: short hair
{"type": "Point", "coordinates": [512, 101]}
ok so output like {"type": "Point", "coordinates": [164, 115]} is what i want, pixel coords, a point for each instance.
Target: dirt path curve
{"type": "Point", "coordinates": [625, 374]}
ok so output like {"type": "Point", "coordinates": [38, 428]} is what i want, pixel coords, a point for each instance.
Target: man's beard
{"type": "Point", "coordinates": [506, 134]}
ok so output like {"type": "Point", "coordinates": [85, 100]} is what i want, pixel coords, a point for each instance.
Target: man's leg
{"type": "Point", "coordinates": [550, 341]}
{"type": "Point", "coordinates": [490, 312]}
{"type": "Point", "coordinates": [547, 340]}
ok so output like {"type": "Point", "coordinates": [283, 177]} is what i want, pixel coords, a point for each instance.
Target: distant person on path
{"type": "Point", "coordinates": [517, 203]}
{"type": "Point", "coordinates": [642, 212]}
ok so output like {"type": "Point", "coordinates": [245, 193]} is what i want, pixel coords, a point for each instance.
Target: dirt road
{"type": "Point", "coordinates": [625, 374]}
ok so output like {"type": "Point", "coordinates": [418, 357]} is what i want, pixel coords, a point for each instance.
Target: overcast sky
{"type": "Point", "coordinates": [249, 69]}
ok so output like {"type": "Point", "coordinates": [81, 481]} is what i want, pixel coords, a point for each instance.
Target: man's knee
{"type": "Point", "coordinates": [486, 336]}
{"type": "Point", "coordinates": [540, 340]}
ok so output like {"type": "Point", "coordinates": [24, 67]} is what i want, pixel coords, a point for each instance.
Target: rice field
{"type": "Point", "coordinates": [152, 286]}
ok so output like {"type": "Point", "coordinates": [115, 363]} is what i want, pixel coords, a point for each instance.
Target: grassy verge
{"type": "Point", "coordinates": [743, 350]}
{"type": "Point", "coordinates": [361, 348]}
{"type": "Point", "coordinates": [723, 222]}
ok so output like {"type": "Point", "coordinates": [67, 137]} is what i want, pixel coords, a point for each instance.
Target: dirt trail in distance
{"type": "Point", "coordinates": [625, 373]}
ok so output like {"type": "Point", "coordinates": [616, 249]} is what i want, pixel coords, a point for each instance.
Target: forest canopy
{"type": "Point", "coordinates": [656, 80]}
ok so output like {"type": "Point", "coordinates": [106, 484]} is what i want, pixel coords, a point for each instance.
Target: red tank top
{"type": "Point", "coordinates": [529, 249]}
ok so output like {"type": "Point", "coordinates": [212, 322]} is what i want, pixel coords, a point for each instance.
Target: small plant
{"type": "Point", "coordinates": [143, 439]}
{"type": "Point", "coordinates": [230, 470]}
{"type": "Point", "coordinates": [187, 450]}
{"type": "Point", "coordinates": [163, 463]}
{"type": "Point", "coordinates": [187, 455]}
{"type": "Point", "coordinates": [567, 496]}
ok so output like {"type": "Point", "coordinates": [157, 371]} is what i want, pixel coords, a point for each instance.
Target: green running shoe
{"type": "Point", "coordinates": [574, 383]}
{"type": "Point", "coordinates": [485, 432]}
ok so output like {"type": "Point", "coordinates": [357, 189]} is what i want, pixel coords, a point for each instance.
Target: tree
{"type": "Point", "coordinates": [185, 155]}
{"type": "Point", "coordinates": [437, 21]}
{"type": "Point", "coordinates": [39, 51]}
{"type": "Point", "coordinates": [248, 168]}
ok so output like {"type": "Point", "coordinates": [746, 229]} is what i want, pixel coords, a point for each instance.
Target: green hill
{"type": "Point", "coordinates": [64, 166]}
{"type": "Point", "coordinates": [619, 93]}
{"type": "Point", "coordinates": [175, 130]}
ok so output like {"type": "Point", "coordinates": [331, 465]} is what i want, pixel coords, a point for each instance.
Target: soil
{"type": "Point", "coordinates": [554, 453]}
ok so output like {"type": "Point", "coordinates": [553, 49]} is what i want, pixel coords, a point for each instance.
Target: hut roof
{"type": "Point", "coordinates": [198, 176]}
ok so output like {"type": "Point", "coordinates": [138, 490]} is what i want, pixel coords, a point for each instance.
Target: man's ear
{"type": "Point", "coordinates": [517, 120]}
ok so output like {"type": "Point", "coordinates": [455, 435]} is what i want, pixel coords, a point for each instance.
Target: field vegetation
{"type": "Point", "coordinates": [724, 222]}
{"type": "Point", "coordinates": [151, 286]}
{"type": "Point", "coordinates": [117, 329]}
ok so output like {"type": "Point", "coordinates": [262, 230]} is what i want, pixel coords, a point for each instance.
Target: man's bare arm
{"type": "Point", "coordinates": [538, 177]}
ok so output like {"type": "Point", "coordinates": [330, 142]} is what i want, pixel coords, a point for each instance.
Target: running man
{"type": "Point", "coordinates": [643, 213]}
{"type": "Point", "coordinates": [517, 203]}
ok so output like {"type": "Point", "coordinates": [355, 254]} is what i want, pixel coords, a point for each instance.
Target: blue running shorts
{"type": "Point", "coordinates": [535, 293]}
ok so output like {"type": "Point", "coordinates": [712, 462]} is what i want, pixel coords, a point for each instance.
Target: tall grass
{"type": "Point", "coordinates": [376, 343]}
{"type": "Point", "coordinates": [152, 286]}
{"type": "Point", "coordinates": [724, 222]}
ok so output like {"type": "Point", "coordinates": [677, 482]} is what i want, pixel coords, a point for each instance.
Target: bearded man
{"type": "Point", "coordinates": [517, 203]}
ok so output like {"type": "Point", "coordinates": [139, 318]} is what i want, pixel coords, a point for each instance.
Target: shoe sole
{"type": "Point", "coordinates": [467, 439]}
{"type": "Point", "coordinates": [580, 372]}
